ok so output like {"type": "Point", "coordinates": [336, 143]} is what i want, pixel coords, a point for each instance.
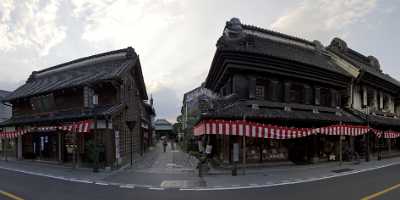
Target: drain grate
{"type": "Point", "coordinates": [342, 170]}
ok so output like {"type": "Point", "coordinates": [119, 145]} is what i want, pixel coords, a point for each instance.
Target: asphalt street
{"type": "Point", "coordinates": [356, 186]}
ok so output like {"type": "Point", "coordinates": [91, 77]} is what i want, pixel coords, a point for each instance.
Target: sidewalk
{"type": "Point", "coordinates": [292, 174]}
{"type": "Point", "coordinates": [53, 170]}
{"type": "Point", "coordinates": [175, 169]}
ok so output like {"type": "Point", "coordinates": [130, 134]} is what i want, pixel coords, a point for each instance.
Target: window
{"type": "Point", "coordinates": [260, 92]}
{"type": "Point", "coordinates": [386, 102]}
{"type": "Point", "coordinates": [95, 99]}
{"type": "Point", "coordinates": [325, 97]}
{"type": "Point", "coordinates": [43, 103]}
{"type": "Point", "coordinates": [296, 93]}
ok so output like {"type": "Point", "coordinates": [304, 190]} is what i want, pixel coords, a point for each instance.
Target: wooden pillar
{"type": "Point", "coordinates": [244, 149]}
{"type": "Point", "coordinates": [364, 96]}
{"type": "Point", "coordinates": [19, 147]}
{"type": "Point", "coordinates": [317, 97]}
{"type": "Point", "coordinates": [60, 149]}
{"type": "Point", "coordinates": [252, 87]}
{"type": "Point", "coordinates": [307, 94]}
{"type": "Point", "coordinates": [287, 92]}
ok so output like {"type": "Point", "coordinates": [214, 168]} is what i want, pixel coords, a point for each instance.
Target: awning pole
{"type": "Point", "coordinates": [340, 148]}
{"type": "Point", "coordinates": [244, 145]}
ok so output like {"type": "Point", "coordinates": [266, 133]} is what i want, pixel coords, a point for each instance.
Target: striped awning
{"type": "Point", "coordinates": [257, 130]}
{"type": "Point", "coordinates": [388, 134]}
{"type": "Point", "coordinates": [76, 127]}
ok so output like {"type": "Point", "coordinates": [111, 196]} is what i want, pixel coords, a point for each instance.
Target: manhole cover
{"type": "Point", "coordinates": [342, 170]}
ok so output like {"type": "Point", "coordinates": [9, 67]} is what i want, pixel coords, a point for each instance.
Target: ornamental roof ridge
{"type": "Point", "coordinates": [277, 33]}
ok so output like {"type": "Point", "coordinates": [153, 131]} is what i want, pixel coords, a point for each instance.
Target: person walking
{"type": "Point", "coordinates": [165, 143]}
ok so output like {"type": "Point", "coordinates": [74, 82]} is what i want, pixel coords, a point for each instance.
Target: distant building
{"type": "Point", "coordinates": [193, 103]}
{"type": "Point", "coordinates": [5, 110]}
{"type": "Point", "coordinates": [163, 128]}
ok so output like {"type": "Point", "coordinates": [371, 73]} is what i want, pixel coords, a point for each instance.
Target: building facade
{"type": "Point", "coordinates": [285, 99]}
{"type": "Point", "coordinates": [88, 110]}
{"type": "Point", "coordinates": [5, 113]}
{"type": "Point", "coordinates": [374, 95]}
{"type": "Point", "coordinates": [163, 128]}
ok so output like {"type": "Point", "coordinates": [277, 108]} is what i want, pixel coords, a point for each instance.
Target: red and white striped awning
{"type": "Point", "coordinates": [76, 127]}
{"type": "Point", "coordinates": [388, 134]}
{"type": "Point", "coordinates": [342, 129]}
{"type": "Point", "coordinates": [250, 129]}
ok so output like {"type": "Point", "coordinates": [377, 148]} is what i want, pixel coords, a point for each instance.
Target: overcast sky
{"type": "Point", "coordinates": [176, 39]}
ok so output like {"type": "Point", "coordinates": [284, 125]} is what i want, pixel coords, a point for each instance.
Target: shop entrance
{"type": "Point", "coordinates": [41, 146]}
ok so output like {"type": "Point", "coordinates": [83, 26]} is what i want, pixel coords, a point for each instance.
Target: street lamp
{"type": "Point", "coordinates": [131, 124]}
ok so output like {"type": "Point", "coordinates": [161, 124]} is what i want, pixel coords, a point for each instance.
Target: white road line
{"type": "Point", "coordinates": [289, 183]}
{"type": "Point", "coordinates": [154, 188]}
{"type": "Point", "coordinates": [99, 183]}
{"type": "Point", "coordinates": [127, 186]}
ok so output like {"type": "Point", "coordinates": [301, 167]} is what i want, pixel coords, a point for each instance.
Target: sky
{"type": "Point", "coordinates": [176, 39]}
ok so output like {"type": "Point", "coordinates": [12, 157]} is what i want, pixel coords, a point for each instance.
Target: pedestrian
{"type": "Point", "coordinates": [165, 143]}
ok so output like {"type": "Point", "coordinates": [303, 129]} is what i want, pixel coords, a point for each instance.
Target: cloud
{"type": "Point", "coordinates": [323, 18]}
{"type": "Point", "coordinates": [166, 103]}
{"type": "Point", "coordinates": [29, 24]}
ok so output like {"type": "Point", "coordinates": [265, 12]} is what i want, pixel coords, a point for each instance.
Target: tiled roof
{"type": "Point", "coordinates": [162, 124]}
{"type": "Point", "coordinates": [78, 72]}
{"type": "Point", "coordinates": [63, 115]}
{"type": "Point", "coordinates": [265, 110]}
{"type": "Point", "coordinates": [377, 120]}
{"type": "Point", "coordinates": [340, 48]}
{"type": "Point", "coordinates": [3, 93]}
{"type": "Point", "coordinates": [260, 41]}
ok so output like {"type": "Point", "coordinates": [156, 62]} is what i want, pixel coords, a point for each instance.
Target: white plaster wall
{"type": "Point", "coordinates": [357, 98]}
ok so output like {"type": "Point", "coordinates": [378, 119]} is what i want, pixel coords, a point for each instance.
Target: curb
{"type": "Point", "coordinates": [214, 188]}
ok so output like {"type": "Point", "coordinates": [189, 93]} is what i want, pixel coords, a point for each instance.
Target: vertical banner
{"type": "Point", "coordinates": [117, 154]}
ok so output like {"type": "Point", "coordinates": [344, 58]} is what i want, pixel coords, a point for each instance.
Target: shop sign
{"type": "Point", "coordinates": [117, 155]}
{"type": "Point", "coordinates": [236, 152]}
{"type": "Point", "coordinates": [208, 149]}
{"type": "Point", "coordinates": [200, 145]}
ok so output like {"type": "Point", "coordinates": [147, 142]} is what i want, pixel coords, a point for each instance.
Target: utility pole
{"type": "Point", "coordinates": [367, 138]}
{"type": "Point", "coordinates": [244, 144]}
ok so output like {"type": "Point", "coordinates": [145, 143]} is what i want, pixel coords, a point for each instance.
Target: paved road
{"type": "Point", "coordinates": [354, 186]}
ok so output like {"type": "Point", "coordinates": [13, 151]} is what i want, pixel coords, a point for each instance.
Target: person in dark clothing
{"type": "Point", "coordinates": [165, 143]}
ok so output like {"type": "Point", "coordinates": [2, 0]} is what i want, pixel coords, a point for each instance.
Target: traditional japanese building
{"type": "Point", "coordinates": [87, 109]}
{"type": "Point", "coordinates": [5, 113]}
{"type": "Point", "coordinates": [283, 98]}
{"type": "Point", "coordinates": [163, 128]}
{"type": "Point", "coordinates": [374, 95]}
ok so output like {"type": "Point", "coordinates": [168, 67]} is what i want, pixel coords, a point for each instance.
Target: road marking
{"type": "Point", "coordinates": [155, 188]}
{"type": "Point", "coordinates": [101, 183]}
{"type": "Point", "coordinates": [130, 186]}
{"type": "Point", "coordinates": [9, 195]}
{"type": "Point", "coordinates": [372, 196]}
